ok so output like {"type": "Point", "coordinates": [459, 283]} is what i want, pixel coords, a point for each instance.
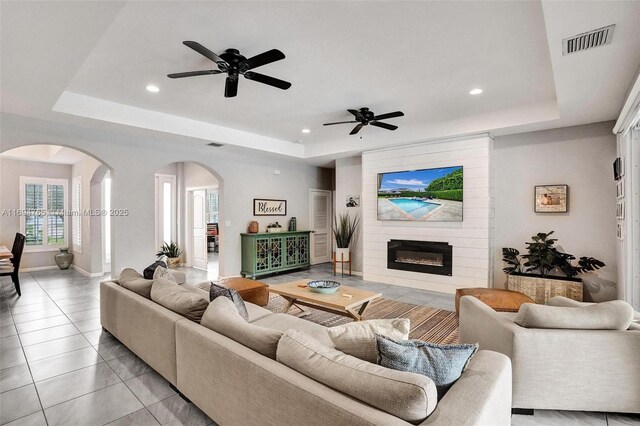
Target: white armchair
{"type": "Point", "coordinates": [561, 369]}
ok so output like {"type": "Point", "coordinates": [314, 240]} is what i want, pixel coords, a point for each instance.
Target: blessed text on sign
{"type": "Point", "coordinates": [266, 207]}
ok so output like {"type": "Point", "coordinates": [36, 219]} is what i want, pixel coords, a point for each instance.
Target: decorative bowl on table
{"type": "Point", "coordinates": [323, 286]}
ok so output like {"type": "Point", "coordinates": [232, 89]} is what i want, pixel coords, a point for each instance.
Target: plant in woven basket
{"type": "Point", "coordinates": [170, 250]}
{"type": "Point", "coordinates": [543, 257]}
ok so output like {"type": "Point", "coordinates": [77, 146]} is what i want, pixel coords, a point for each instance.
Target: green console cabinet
{"type": "Point", "coordinates": [267, 253]}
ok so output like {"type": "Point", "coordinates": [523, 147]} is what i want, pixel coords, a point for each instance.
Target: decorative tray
{"type": "Point", "coordinates": [323, 286]}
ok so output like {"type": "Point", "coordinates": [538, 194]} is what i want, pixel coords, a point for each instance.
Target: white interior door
{"type": "Point", "coordinates": [320, 225]}
{"type": "Point", "coordinates": [199, 234]}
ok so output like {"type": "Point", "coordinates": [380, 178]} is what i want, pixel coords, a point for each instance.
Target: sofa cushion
{"type": "Point", "coordinates": [443, 364]}
{"type": "Point", "coordinates": [216, 291]}
{"type": "Point", "coordinates": [130, 279]}
{"type": "Point", "coordinates": [614, 315]}
{"type": "Point", "coordinates": [284, 322]}
{"type": "Point", "coordinates": [409, 396]}
{"type": "Point", "coordinates": [223, 317]}
{"type": "Point", "coordinates": [162, 272]}
{"type": "Point", "coordinates": [150, 270]}
{"type": "Point", "coordinates": [358, 338]}
{"type": "Point", "coordinates": [565, 301]}
{"type": "Point", "coordinates": [178, 299]}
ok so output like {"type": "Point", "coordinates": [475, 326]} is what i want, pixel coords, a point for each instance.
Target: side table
{"type": "Point", "coordinates": [499, 299]}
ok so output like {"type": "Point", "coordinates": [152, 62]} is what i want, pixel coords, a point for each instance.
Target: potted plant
{"type": "Point", "coordinates": [172, 252]}
{"type": "Point", "coordinates": [545, 271]}
{"type": "Point", "coordinates": [344, 228]}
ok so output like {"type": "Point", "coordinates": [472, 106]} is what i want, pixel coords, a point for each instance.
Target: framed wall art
{"type": "Point", "coordinates": [551, 199]}
{"type": "Point", "coordinates": [269, 207]}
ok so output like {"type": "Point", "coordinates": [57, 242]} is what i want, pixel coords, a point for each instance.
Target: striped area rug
{"type": "Point", "coordinates": [428, 324]}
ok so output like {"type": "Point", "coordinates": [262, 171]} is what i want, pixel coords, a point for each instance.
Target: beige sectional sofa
{"type": "Point", "coordinates": [235, 385]}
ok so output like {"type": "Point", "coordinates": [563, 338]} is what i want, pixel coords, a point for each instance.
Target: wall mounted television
{"type": "Point", "coordinates": [427, 195]}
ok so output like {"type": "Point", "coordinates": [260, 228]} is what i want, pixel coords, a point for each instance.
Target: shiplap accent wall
{"type": "Point", "coordinates": [471, 239]}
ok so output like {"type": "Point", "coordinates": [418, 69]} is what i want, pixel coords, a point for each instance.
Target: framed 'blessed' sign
{"type": "Point", "coordinates": [267, 207]}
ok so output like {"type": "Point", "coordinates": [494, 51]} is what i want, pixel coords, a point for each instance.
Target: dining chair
{"type": "Point", "coordinates": [13, 267]}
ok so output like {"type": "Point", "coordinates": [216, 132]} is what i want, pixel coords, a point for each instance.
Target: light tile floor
{"type": "Point", "coordinates": [57, 367]}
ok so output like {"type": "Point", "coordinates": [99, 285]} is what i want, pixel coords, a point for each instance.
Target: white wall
{"type": "Point", "coordinates": [471, 239]}
{"type": "Point", "coordinates": [580, 157]}
{"type": "Point", "coordinates": [11, 170]}
{"type": "Point", "coordinates": [196, 176]}
{"type": "Point", "coordinates": [85, 169]}
{"type": "Point", "coordinates": [134, 162]}
{"type": "Point", "coordinates": [349, 182]}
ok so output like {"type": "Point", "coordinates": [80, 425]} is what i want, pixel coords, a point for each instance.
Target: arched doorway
{"type": "Point", "coordinates": [188, 199]}
{"type": "Point", "coordinates": [51, 186]}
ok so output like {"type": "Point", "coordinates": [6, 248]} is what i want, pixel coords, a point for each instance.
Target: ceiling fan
{"type": "Point", "coordinates": [365, 117]}
{"type": "Point", "coordinates": [234, 64]}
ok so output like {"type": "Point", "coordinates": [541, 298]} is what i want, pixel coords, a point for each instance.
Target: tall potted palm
{"type": "Point", "coordinates": [344, 229]}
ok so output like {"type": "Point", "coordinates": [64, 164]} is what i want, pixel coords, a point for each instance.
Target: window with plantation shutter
{"type": "Point", "coordinates": [76, 219]}
{"type": "Point", "coordinates": [213, 206]}
{"type": "Point", "coordinates": [43, 219]}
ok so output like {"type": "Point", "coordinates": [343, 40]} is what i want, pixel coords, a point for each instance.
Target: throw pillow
{"type": "Point", "coordinates": [443, 364]}
{"type": "Point", "coordinates": [358, 338]}
{"type": "Point", "coordinates": [218, 290]}
{"type": "Point", "coordinates": [178, 299]}
{"type": "Point", "coordinates": [411, 397]}
{"type": "Point", "coordinates": [223, 317]}
{"type": "Point", "coordinates": [131, 280]}
{"type": "Point", "coordinates": [614, 315]}
{"type": "Point", "coordinates": [162, 272]}
{"type": "Point", "coordinates": [150, 270]}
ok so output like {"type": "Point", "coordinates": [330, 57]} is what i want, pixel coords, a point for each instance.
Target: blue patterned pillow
{"type": "Point", "coordinates": [443, 364]}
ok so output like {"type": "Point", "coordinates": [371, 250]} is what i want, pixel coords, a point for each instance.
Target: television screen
{"type": "Point", "coordinates": [428, 195]}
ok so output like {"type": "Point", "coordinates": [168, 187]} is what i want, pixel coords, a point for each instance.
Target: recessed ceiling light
{"type": "Point", "coordinates": [475, 92]}
{"type": "Point", "coordinates": [153, 89]}
{"type": "Point", "coordinates": [306, 131]}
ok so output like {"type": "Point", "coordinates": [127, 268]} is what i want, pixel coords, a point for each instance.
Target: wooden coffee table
{"type": "Point", "coordinates": [336, 303]}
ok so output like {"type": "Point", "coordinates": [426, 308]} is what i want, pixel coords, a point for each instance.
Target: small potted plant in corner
{"type": "Point", "coordinates": [172, 252]}
{"type": "Point", "coordinates": [545, 271]}
{"type": "Point", "coordinates": [344, 229]}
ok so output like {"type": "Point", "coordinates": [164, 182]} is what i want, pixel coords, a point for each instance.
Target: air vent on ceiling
{"type": "Point", "coordinates": [215, 144]}
{"type": "Point", "coordinates": [587, 40]}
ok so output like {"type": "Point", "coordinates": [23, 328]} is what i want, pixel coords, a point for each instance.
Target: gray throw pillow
{"type": "Point", "coordinates": [218, 290]}
{"type": "Point", "coordinates": [443, 364]}
{"type": "Point", "coordinates": [149, 270]}
{"type": "Point", "coordinates": [162, 272]}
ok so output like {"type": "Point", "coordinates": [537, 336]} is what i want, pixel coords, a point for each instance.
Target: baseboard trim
{"type": "Point", "coordinates": [38, 268]}
{"type": "Point", "coordinates": [86, 273]}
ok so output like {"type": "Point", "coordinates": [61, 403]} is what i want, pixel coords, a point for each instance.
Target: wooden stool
{"type": "Point", "coordinates": [252, 291]}
{"type": "Point", "coordinates": [342, 262]}
{"type": "Point", "coordinates": [499, 299]}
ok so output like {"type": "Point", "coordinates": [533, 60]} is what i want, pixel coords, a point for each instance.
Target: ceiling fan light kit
{"type": "Point", "coordinates": [234, 65]}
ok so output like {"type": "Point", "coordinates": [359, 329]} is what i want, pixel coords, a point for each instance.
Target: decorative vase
{"type": "Point", "coordinates": [253, 227]}
{"type": "Point", "coordinates": [342, 254]}
{"type": "Point", "coordinates": [293, 225]}
{"type": "Point", "coordinates": [64, 258]}
{"type": "Point", "coordinates": [173, 262]}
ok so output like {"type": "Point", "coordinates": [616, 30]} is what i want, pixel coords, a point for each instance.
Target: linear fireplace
{"type": "Point", "coordinates": [430, 257]}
